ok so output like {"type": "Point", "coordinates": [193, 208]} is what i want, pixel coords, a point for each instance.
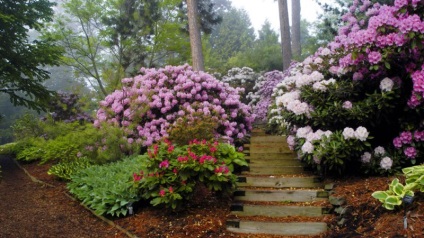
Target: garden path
{"type": "Point", "coordinates": [31, 209]}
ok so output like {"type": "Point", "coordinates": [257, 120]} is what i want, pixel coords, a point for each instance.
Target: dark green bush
{"type": "Point", "coordinates": [107, 189]}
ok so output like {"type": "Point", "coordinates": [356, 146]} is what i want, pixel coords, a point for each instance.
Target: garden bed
{"type": "Point", "coordinates": [204, 218]}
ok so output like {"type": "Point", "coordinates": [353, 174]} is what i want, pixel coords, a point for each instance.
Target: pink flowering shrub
{"type": "Point", "coordinates": [151, 103]}
{"type": "Point", "coordinates": [260, 97]}
{"type": "Point", "coordinates": [171, 173]}
{"type": "Point", "coordinates": [371, 77]}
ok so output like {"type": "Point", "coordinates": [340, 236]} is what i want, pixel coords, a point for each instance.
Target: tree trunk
{"type": "Point", "coordinates": [195, 38]}
{"type": "Point", "coordinates": [285, 33]}
{"type": "Point", "coordinates": [296, 48]}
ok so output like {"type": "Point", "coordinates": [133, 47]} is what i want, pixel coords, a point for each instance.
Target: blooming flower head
{"type": "Point", "coordinates": [347, 105]}
{"type": "Point", "coordinates": [303, 132]}
{"type": "Point", "coordinates": [164, 164]}
{"type": "Point", "coordinates": [379, 151]}
{"type": "Point", "coordinates": [374, 57]}
{"type": "Point", "coordinates": [406, 137]}
{"type": "Point", "coordinates": [137, 177]}
{"type": "Point", "coordinates": [386, 85]}
{"type": "Point", "coordinates": [397, 142]}
{"type": "Point", "coordinates": [358, 76]}
{"type": "Point", "coordinates": [222, 170]}
{"type": "Point", "coordinates": [162, 193]}
{"type": "Point", "coordinates": [386, 163]}
{"type": "Point", "coordinates": [348, 133]}
{"type": "Point", "coordinates": [307, 148]}
{"type": "Point", "coordinates": [366, 157]}
{"type": "Point", "coordinates": [291, 141]}
{"type": "Point", "coordinates": [410, 152]}
{"type": "Point", "coordinates": [361, 133]}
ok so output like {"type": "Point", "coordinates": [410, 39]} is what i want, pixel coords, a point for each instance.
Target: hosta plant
{"type": "Point", "coordinates": [369, 77]}
{"type": "Point", "coordinates": [65, 169]}
{"type": "Point", "coordinates": [149, 104]}
{"type": "Point", "coordinates": [171, 173]}
{"type": "Point", "coordinates": [106, 188]}
{"type": "Point", "coordinates": [397, 191]}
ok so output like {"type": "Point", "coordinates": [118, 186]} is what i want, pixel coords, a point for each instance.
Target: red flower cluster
{"type": "Point", "coordinates": [222, 169]}
{"type": "Point", "coordinates": [204, 158]}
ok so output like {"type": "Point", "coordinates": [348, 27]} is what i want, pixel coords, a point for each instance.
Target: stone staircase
{"type": "Point", "coordinates": [275, 195]}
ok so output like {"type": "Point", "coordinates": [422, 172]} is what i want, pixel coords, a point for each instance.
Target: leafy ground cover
{"type": "Point", "coordinates": [30, 210]}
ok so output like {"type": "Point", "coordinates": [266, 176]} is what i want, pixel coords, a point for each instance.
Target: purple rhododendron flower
{"type": "Point", "coordinates": [410, 152]}
{"type": "Point", "coordinates": [374, 57]}
{"type": "Point", "coordinates": [406, 137]}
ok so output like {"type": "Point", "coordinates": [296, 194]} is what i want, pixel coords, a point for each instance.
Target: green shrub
{"type": "Point", "coordinates": [170, 174]}
{"type": "Point", "coordinates": [66, 169]}
{"type": "Point", "coordinates": [198, 126]}
{"type": "Point", "coordinates": [27, 126]}
{"type": "Point", "coordinates": [30, 149]}
{"type": "Point", "coordinates": [397, 191]}
{"type": "Point", "coordinates": [8, 149]}
{"type": "Point", "coordinates": [107, 188]}
{"type": "Point", "coordinates": [77, 140]}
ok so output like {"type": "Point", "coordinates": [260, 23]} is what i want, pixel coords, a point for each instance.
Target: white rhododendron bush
{"type": "Point", "coordinates": [153, 102]}
{"type": "Point", "coordinates": [357, 104]}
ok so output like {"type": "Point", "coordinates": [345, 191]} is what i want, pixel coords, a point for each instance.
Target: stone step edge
{"type": "Point", "coordinates": [277, 228]}
{"type": "Point", "coordinates": [242, 192]}
{"type": "Point", "coordinates": [239, 207]}
{"type": "Point", "coordinates": [243, 178]}
{"type": "Point", "coordinates": [273, 182]}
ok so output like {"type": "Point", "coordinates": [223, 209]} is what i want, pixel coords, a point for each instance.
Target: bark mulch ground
{"type": "Point", "coordinates": [31, 209]}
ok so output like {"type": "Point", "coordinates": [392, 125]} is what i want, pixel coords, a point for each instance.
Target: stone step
{"type": "Point", "coordinates": [268, 138]}
{"type": "Point", "coordinates": [277, 210]}
{"type": "Point", "coordinates": [269, 144]}
{"type": "Point", "coordinates": [285, 155]}
{"type": "Point", "coordinates": [279, 182]}
{"type": "Point", "coordinates": [273, 170]}
{"type": "Point", "coordinates": [258, 132]}
{"type": "Point", "coordinates": [277, 228]}
{"type": "Point", "coordinates": [265, 148]}
{"type": "Point", "coordinates": [268, 195]}
{"type": "Point", "coordinates": [288, 161]}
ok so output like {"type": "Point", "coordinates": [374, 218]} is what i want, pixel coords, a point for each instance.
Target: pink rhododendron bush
{"type": "Point", "coordinates": [153, 102]}
{"type": "Point", "coordinates": [357, 104]}
{"type": "Point", "coordinates": [261, 96]}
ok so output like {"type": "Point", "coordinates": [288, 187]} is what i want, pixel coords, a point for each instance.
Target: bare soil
{"type": "Point", "coordinates": [30, 209]}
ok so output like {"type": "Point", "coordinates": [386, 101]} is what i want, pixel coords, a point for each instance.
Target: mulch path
{"type": "Point", "coordinates": [30, 209]}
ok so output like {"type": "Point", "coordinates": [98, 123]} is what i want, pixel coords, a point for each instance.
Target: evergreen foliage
{"type": "Point", "coordinates": [21, 60]}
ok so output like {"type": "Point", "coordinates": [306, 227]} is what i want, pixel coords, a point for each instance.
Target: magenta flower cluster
{"type": "Point", "coordinates": [150, 103]}
{"type": "Point", "coordinates": [407, 142]}
{"type": "Point", "coordinates": [388, 27]}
